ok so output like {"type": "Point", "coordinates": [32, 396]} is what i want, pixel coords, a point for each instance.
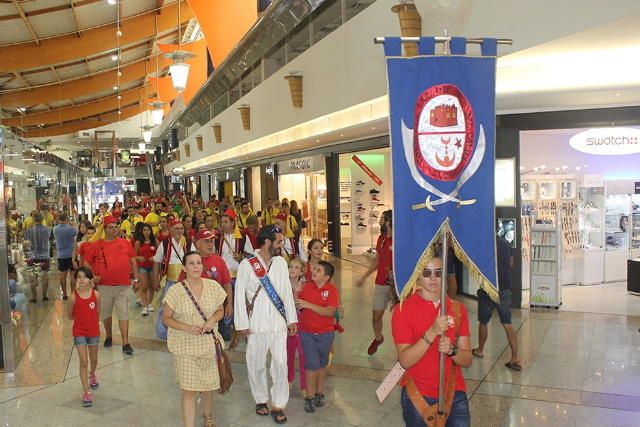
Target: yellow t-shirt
{"type": "Point", "coordinates": [153, 219]}
{"type": "Point", "coordinates": [28, 223]}
{"type": "Point", "coordinates": [128, 227]}
{"type": "Point", "coordinates": [268, 218]}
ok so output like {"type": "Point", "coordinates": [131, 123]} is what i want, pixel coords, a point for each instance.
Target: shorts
{"type": "Point", "coordinates": [382, 297]}
{"type": "Point", "coordinates": [486, 306]}
{"type": "Point", "coordinates": [86, 340]}
{"type": "Point", "coordinates": [111, 296]}
{"type": "Point", "coordinates": [65, 264]}
{"type": "Point", "coordinates": [44, 263]}
{"type": "Point", "coordinates": [145, 270]}
{"type": "Point", "coordinates": [316, 348]}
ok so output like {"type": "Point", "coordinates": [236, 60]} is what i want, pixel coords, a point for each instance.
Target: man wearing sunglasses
{"type": "Point", "coordinates": [113, 261]}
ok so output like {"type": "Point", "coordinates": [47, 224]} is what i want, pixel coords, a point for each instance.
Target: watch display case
{"type": "Point", "coordinates": [635, 222]}
{"type": "Point", "coordinates": [591, 219]}
{"type": "Point", "coordinates": [617, 221]}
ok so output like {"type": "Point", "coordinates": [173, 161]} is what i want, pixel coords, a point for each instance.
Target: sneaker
{"type": "Point", "coordinates": [308, 405]}
{"type": "Point", "coordinates": [127, 349]}
{"type": "Point", "coordinates": [373, 347]}
{"type": "Point", "coordinates": [87, 400]}
{"type": "Point", "coordinates": [145, 311]}
{"type": "Point", "coordinates": [361, 182]}
{"type": "Point", "coordinates": [93, 381]}
{"type": "Point", "coordinates": [139, 302]}
{"type": "Point", "coordinates": [318, 401]}
{"type": "Point", "coordinates": [108, 342]}
{"type": "Point", "coordinates": [150, 308]}
{"type": "Point", "coordinates": [375, 199]}
{"type": "Point", "coordinates": [374, 191]}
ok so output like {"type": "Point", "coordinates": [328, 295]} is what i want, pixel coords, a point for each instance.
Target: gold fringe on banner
{"type": "Point", "coordinates": [429, 253]}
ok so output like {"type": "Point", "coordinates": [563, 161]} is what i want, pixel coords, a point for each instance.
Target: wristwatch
{"type": "Point", "coordinates": [454, 351]}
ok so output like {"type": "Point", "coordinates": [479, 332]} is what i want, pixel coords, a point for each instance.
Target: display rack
{"type": "Point", "coordinates": [635, 224]}
{"type": "Point", "coordinates": [546, 259]}
{"type": "Point", "coordinates": [526, 238]}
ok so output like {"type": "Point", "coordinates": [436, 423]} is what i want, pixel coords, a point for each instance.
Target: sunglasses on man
{"type": "Point", "coordinates": [428, 272]}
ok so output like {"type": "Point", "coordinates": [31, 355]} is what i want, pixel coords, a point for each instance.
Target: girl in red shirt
{"type": "Point", "coordinates": [84, 309]}
{"type": "Point", "coordinates": [145, 248]}
{"type": "Point", "coordinates": [417, 328]}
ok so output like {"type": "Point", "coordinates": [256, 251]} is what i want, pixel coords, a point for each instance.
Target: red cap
{"type": "Point", "coordinates": [282, 216]}
{"type": "Point", "coordinates": [205, 234]}
{"type": "Point", "coordinates": [230, 213]}
{"type": "Point", "coordinates": [109, 219]}
{"type": "Point", "coordinates": [174, 221]}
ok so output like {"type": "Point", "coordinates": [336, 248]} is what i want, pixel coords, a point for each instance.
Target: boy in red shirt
{"type": "Point", "coordinates": [318, 301]}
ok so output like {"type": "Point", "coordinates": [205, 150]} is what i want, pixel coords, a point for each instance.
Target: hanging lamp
{"type": "Point", "coordinates": [179, 68]}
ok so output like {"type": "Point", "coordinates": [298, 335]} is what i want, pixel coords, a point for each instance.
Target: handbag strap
{"type": "Point", "coordinates": [204, 317]}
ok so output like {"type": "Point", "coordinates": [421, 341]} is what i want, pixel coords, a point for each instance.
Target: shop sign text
{"type": "Point", "coordinates": [607, 141]}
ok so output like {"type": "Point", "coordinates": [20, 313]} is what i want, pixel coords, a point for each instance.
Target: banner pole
{"type": "Point", "coordinates": [443, 312]}
{"type": "Point", "coordinates": [441, 39]}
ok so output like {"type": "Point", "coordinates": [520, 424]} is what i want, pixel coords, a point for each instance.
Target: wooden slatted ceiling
{"type": "Point", "coordinates": [94, 41]}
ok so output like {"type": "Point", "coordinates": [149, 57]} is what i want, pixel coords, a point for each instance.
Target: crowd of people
{"type": "Point", "coordinates": [218, 271]}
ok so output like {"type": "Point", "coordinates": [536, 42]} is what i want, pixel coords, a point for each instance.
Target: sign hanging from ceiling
{"type": "Point", "coordinates": [607, 141]}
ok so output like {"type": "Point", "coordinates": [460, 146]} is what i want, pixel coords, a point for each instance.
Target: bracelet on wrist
{"type": "Point", "coordinates": [424, 337]}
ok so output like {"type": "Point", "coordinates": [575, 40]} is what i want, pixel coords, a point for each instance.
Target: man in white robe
{"type": "Point", "coordinates": [266, 328]}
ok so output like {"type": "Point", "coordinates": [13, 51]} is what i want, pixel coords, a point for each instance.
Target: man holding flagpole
{"type": "Point", "coordinates": [265, 311]}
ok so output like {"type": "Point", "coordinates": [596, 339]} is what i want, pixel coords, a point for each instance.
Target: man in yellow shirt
{"type": "Point", "coordinates": [245, 212]}
{"type": "Point", "coordinates": [153, 218]}
{"type": "Point", "coordinates": [129, 222]}
{"type": "Point", "coordinates": [269, 213]}
{"type": "Point", "coordinates": [29, 221]}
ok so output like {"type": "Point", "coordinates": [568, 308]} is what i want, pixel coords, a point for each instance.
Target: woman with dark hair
{"type": "Point", "coordinates": [189, 231]}
{"type": "Point", "coordinates": [116, 210]}
{"type": "Point", "coordinates": [189, 337]}
{"type": "Point", "coordinates": [384, 293]}
{"type": "Point", "coordinates": [315, 247]}
{"type": "Point", "coordinates": [296, 213]}
{"type": "Point", "coordinates": [145, 248]}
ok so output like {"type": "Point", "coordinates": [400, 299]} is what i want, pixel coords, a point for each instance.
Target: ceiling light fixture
{"type": "Point", "coordinates": [142, 146]}
{"type": "Point", "coordinates": [146, 133]}
{"type": "Point", "coordinates": [112, 2]}
{"type": "Point", "coordinates": [114, 57]}
{"type": "Point", "coordinates": [157, 112]}
{"type": "Point", "coordinates": [179, 68]}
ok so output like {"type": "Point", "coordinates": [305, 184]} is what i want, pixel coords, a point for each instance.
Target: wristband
{"type": "Point", "coordinates": [424, 337]}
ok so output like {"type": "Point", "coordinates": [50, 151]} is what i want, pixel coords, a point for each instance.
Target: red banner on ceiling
{"type": "Point", "coordinates": [366, 169]}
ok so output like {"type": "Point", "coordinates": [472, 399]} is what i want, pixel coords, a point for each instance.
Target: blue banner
{"type": "Point", "coordinates": [442, 121]}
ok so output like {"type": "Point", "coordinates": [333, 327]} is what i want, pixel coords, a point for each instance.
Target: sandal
{"type": "Point", "coordinates": [318, 401]}
{"type": "Point", "coordinates": [278, 416]}
{"type": "Point", "coordinates": [513, 366]}
{"type": "Point", "coordinates": [476, 354]}
{"type": "Point", "coordinates": [262, 409]}
{"type": "Point", "coordinates": [208, 421]}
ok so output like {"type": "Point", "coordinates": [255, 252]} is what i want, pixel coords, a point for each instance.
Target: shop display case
{"type": "Point", "coordinates": [635, 225]}
{"type": "Point", "coordinates": [590, 220]}
{"type": "Point", "coordinates": [617, 236]}
{"type": "Point", "coordinates": [546, 264]}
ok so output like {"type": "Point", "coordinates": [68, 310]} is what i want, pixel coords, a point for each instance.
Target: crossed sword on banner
{"type": "Point", "coordinates": [474, 164]}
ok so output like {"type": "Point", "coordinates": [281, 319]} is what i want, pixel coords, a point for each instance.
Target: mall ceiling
{"type": "Point", "coordinates": [71, 65]}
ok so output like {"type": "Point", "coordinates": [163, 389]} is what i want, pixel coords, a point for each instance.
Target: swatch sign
{"type": "Point", "coordinates": [607, 141]}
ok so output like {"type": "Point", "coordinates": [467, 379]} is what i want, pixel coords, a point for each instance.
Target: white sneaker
{"type": "Point", "coordinates": [145, 311]}
{"type": "Point", "coordinates": [150, 308]}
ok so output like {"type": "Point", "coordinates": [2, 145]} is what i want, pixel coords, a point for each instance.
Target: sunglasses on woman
{"type": "Point", "coordinates": [427, 272]}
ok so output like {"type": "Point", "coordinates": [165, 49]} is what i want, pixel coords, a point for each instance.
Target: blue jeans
{"type": "Point", "coordinates": [161, 328]}
{"type": "Point", "coordinates": [459, 416]}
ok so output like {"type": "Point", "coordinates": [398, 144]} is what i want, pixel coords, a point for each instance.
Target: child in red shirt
{"type": "Point", "coordinates": [317, 301]}
{"type": "Point", "coordinates": [294, 343]}
{"type": "Point", "coordinates": [84, 309]}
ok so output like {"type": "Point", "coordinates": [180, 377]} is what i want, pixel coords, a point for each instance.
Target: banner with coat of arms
{"type": "Point", "coordinates": [442, 121]}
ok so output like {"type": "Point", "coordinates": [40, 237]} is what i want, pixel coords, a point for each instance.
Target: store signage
{"type": "Point", "coordinates": [607, 141]}
{"type": "Point", "coordinates": [505, 182]}
{"type": "Point", "coordinates": [366, 169]}
{"type": "Point", "coordinates": [301, 165]}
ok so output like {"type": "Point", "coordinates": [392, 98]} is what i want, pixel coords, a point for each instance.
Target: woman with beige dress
{"type": "Point", "coordinates": [190, 340]}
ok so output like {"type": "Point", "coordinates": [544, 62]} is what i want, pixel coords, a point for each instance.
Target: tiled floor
{"type": "Point", "coordinates": [580, 369]}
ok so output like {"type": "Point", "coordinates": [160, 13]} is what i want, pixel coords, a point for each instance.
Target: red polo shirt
{"type": "Point", "coordinates": [214, 268]}
{"type": "Point", "coordinates": [326, 296]}
{"type": "Point", "coordinates": [409, 322]}
{"type": "Point", "coordinates": [111, 261]}
{"type": "Point", "coordinates": [385, 259]}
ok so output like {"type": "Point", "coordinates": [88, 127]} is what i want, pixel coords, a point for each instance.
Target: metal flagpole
{"type": "Point", "coordinates": [443, 312]}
